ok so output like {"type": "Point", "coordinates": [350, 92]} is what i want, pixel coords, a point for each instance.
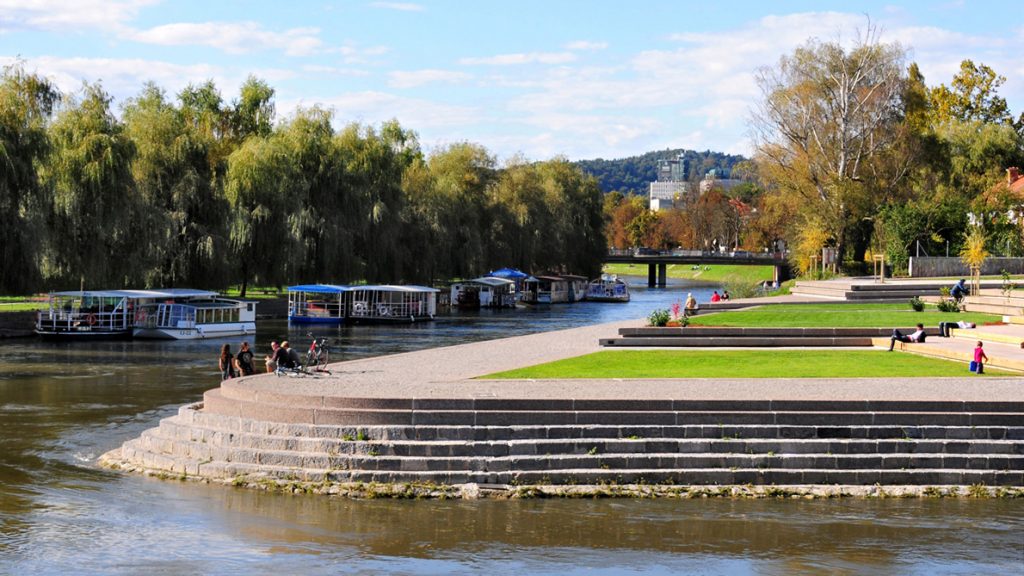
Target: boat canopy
{"type": "Point", "coordinates": [158, 293]}
{"type": "Point", "coordinates": [391, 288]}
{"type": "Point", "coordinates": [509, 273]}
{"type": "Point", "coordinates": [491, 281]}
{"type": "Point", "coordinates": [320, 288]}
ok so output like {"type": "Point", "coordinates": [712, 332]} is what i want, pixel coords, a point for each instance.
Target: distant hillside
{"type": "Point", "coordinates": [631, 175]}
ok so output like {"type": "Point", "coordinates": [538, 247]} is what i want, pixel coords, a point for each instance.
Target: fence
{"type": "Point", "coordinates": [930, 266]}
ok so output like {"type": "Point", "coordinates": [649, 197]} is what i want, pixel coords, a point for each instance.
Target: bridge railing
{"type": "Point", "coordinates": [640, 252]}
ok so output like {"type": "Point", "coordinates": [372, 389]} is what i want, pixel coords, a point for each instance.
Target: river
{"type": "Point", "coordinates": [64, 404]}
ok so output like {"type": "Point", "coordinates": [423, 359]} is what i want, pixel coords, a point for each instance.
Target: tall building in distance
{"type": "Point", "coordinates": [671, 186]}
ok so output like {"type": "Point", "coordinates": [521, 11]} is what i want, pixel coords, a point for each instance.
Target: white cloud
{"type": "Point", "coordinates": [400, 6]}
{"type": "Point", "coordinates": [520, 58]}
{"type": "Point", "coordinates": [68, 14]}
{"type": "Point", "coordinates": [586, 45]}
{"type": "Point", "coordinates": [374, 107]}
{"type": "Point", "coordinates": [333, 70]}
{"type": "Point", "coordinates": [124, 78]}
{"type": "Point", "coordinates": [414, 78]}
{"type": "Point", "coordinates": [232, 37]}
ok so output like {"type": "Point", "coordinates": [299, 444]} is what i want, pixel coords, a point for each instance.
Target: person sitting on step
{"type": "Point", "coordinates": [897, 336]}
{"type": "Point", "coordinates": [958, 291]}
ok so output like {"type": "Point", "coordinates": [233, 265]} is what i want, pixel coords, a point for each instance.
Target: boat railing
{"type": "Point", "coordinates": [316, 309]}
{"type": "Point", "coordinates": [364, 309]}
{"type": "Point", "coordinates": [59, 319]}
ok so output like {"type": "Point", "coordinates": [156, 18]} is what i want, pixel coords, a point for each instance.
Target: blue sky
{"type": "Point", "coordinates": [584, 79]}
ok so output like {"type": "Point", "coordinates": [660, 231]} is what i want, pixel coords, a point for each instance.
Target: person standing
{"type": "Point", "coordinates": [980, 358]}
{"type": "Point", "coordinates": [227, 362]}
{"type": "Point", "coordinates": [243, 361]}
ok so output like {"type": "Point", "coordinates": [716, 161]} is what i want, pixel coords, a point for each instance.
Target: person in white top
{"type": "Point", "coordinates": [897, 336]}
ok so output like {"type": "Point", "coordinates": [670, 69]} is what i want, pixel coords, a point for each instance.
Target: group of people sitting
{"type": "Point", "coordinates": [282, 356]}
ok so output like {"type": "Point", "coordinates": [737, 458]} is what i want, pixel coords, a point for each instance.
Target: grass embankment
{"type": "Point", "coordinates": [22, 303]}
{"type": "Point", "coordinates": [744, 364]}
{"type": "Point", "coordinates": [718, 273]}
{"type": "Point", "coordinates": [837, 315]}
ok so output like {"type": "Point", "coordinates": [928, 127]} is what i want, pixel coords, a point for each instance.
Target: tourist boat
{"type": "Point", "coordinates": [186, 314]}
{"type": "Point", "coordinates": [484, 292]}
{"type": "Point", "coordinates": [513, 274]}
{"type": "Point", "coordinates": [386, 303]}
{"type": "Point", "coordinates": [89, 314]}
{"type": "Point", "coordinates": [577, 287]}
{"type": "Point", "coordinates": [316, 304]}
{"type": "Point", "coordinates": [545, 290]}
{"type": "Point", "coordinates": [608, 288]}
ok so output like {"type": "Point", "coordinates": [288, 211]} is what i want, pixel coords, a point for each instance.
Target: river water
{"type": "Point", "coordinates": [64, 404]}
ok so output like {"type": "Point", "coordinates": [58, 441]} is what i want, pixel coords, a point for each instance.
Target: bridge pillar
{"type": "Point", "coordinates": [662, 275]}
{"type": "Point", "coordinates": [652, 273]}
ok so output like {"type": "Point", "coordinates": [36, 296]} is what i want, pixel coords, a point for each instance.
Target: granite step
{"type": "Point", "coordinates": [735, 342]}
{"type": "Point", "coordinates": [593, 459]}
{"type": "Point", "coordinates": [705, 477]}
{"type": "Point", "coordinates": [209, 426]}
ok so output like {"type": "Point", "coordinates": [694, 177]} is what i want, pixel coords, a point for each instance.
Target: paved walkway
{"type": "Point", "coordinates": [448, 373]}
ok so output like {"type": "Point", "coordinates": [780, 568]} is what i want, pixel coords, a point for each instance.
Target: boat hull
{"type": "Point", "coordinates": [201, 332]}
{"type": "Point", "coordinates": [314, 320]}
{"type": "Point", "coordinates": [84, 334]}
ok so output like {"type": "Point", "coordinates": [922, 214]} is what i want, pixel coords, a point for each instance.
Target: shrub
{"type": "Point", "coordinates": [917, 304]}
{"type": "Point", "coordinates": [659, 318]}
{"type": "Point", "coordinates": [948, 306]}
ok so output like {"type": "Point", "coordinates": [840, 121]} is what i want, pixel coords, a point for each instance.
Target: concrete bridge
{"type": "Point", "coordinates": [658, 260]}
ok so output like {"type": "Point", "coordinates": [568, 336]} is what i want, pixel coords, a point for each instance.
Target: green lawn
{"type": "Point", "coordinates": [837, 315]}
{"type": "Point", "coordinates": [717, 274]}
{"type": "Point", "coordinates": [744, 364]}
{"type": "Point", "coordinates": [22, 303]}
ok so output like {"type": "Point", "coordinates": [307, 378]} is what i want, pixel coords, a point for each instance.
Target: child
{"type": "Point", "coordinates": [980, 358]}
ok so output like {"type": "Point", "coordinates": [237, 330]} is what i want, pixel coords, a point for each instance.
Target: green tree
{"type": "Point", "coordinates": [260, 183]}
{"type": "Point", "coordinates": [971, 96]}
{"type": "Point", "coordinates": [94, 215]}
{"type": "Point", "coordinates": [828, 118]}
{"type": "Point", "coordinates": [26, 105]}
{"type": "Point", "coordinates": [185, 218]}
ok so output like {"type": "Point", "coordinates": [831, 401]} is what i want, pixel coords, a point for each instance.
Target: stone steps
{"type": "Point", "coordinates": [989, 334]}
{"type": "Point", "coordinates": [714, 442]}
{"type": "Point", "coordinates": [710, 337]}
{"type": "Point", "coordinates": [997, 309]}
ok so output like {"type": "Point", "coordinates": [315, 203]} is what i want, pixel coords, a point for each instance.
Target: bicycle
{"type": "Point", "coordinates": [318, 355]}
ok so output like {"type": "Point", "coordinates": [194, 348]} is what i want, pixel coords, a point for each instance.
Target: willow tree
{"type": "Point", "coordinates": [828, 117]}
{"type": "Point", "coordinates": [375, 161]}
{"type": "Point", "coordinates": [26, 103]}
{"type": "Point", "coordinates": [185, 216]}
{"type": "Point", "coordinates": [578, 224]}
{"type": "Point", "coordinates": [320, 218]}
{"type": "Point", "coordinates": [520, 219]}
{"type": "Point", "coordinates": [94, 215]}
{"type": "Point", "coordinates": [260, 184]}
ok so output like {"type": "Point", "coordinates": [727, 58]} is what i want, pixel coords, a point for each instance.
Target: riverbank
{"type": "Point", "coordinates": [421, 424]}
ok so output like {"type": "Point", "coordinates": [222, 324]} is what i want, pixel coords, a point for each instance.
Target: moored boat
{"type": "Point", "coordinates": [387, 303]}
{"type": "Point", "coordinates": [545, 290]}
{"type": "Point", "coordinates": [316, 304]}
{"type": "Point", "coordinates": [608, 288]}
{"type": "Point", "coordinates": [88, 314]}
{"type": "Point", "coordinates": [186, 314]}
{"type": "Point", "coordinates": [484, 292]}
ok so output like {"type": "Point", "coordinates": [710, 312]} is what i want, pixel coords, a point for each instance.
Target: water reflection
{"type": "Point", "coordinates": [63, 404]}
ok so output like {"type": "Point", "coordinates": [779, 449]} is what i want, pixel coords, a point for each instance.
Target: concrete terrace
{"type": "Point", "coordinates": [423, 418]}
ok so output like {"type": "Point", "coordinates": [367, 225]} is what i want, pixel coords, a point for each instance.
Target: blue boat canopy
{"type": "Point", "coordinates": [320, 288]}
{"type": "Point", "coordinates": [509, 273]}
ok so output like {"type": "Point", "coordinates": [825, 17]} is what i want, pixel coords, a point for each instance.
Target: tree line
{"type": "Point", "coordinates": [193, 190]}
{"type": "Point", "coordinates": [632, 175]}
{"type": "Point", "coordinates": [855, 151]}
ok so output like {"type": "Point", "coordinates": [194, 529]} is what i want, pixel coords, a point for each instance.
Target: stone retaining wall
{"type": "Point", "coordinates": [929, 266]}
